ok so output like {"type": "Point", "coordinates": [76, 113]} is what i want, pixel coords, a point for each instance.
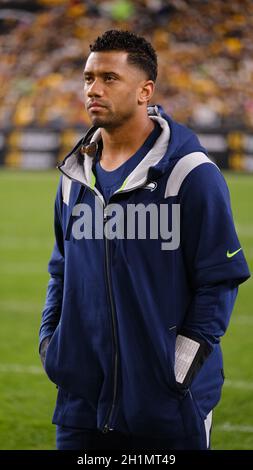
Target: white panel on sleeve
{"type": "Point", "coordinates": [184, 166]}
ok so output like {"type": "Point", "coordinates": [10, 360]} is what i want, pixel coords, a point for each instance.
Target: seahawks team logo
{"type": "Point", "coordinates": [151, 186]}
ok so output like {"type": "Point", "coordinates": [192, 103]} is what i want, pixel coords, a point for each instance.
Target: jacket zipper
{"type": "Point", "coordinates": [106, 427]}
{"type": "Point", "coordinates": [108, 419]}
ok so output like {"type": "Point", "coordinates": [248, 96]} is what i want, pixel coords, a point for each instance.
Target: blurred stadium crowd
{"type": "Point", "coordinates": [205, 51]}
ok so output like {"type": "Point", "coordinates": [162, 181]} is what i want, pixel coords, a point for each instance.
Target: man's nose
{"type": "Point", "coordinates": [95, 89]}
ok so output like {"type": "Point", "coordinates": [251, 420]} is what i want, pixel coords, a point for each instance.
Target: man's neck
{"type": "Point", "coordinates": [121, 143]}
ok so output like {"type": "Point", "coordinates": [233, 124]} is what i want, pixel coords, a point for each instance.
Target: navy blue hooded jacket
{"type": "Point", "coordinates": [115, 306]}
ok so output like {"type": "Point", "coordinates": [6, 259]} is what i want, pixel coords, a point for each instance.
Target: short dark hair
{"type": "Point", "coordinates": [140, 52]}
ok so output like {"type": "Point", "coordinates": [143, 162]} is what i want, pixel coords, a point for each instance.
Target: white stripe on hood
{"type": "Point", "coordinates": [83, 173]}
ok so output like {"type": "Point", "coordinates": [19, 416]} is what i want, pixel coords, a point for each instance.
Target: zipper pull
{"type": "Point", "coordinates": [106, 429]}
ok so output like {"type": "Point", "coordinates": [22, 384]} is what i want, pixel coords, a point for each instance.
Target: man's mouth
{"type": "Point", "coordinates": [95, 106]}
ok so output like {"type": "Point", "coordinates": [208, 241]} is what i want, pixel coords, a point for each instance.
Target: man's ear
{"type": "Point", "coordinates": [146, 91]}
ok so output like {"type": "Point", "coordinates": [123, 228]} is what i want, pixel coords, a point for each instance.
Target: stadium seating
{"type": "Point", "coordinates": [205, 58]}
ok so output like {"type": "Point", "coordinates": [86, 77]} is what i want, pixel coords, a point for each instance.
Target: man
{"type": "Point", "coordinates": [133, 318]}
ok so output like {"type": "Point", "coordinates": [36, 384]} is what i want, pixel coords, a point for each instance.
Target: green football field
{"type": "Point", "coordinates": [26, 395]}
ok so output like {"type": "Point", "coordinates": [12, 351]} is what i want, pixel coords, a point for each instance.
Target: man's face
{"type": "Point", "coordinates": [112, 88]}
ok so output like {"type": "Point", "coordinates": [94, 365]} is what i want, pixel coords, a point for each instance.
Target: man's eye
{"type": "Point", "coordinates": [109, 78]}
{"type": "Point", "coordinates": [88, 80]}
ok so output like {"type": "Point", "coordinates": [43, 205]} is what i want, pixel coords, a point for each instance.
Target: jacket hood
{"type": "Point", "coordinates": [174, 142]}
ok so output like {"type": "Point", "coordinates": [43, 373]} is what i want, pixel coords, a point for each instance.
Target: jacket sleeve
{"type": "Point", "coordinates": [213, 256]}
{"type": "Point", "coordinates": [52, 308]}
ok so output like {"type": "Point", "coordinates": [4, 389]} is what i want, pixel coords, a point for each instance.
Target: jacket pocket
{"type": "Point", "coordinates": [191, 418]}
{"type": "Point", "coordinates": [51, 356]}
